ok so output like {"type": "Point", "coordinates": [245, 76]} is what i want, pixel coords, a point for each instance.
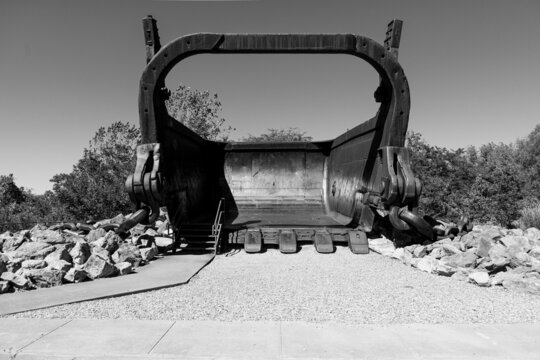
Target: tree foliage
{"type": "Point", "coordinates": [20, 209]}
{"type": "Point", "coordinates": [486, 184]}
{"type": "Point", "coordinates": [280, 135]}
{"type": "Point", "coordinates": [95, 187]}
{"type": "Point", "coordinates": [199, 111]}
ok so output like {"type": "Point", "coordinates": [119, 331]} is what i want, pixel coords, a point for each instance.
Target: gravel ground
{"type": "Point", "coordinates": [307, 286]}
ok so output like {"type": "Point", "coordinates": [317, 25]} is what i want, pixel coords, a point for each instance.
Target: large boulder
{"type": "Point", "coordinates": [96, 234]}
{"type": "Point", "coordinates": [382, 245]}
{"type": "Point", "coordinates": [498, 251]}
{"type": "Point", "coordinates": [98, 267]}
{"type": "Point", "coordinates": [492, 231]}
{"type": "Point", "coordinates": [165, 244]}
{"type": "Point", "coordinates": [148, 253]}
{"type": "Point", "coordinates": [527, 283]}
{"type": "Point", "coordinates": [45, 277]}
{"type": "Point", "coordinates": [127, 253]}
{"type": "Point", "coordinates": [96, 250]}
{"type": "Point", "coordinates": [427, 264]}
{"type": "Point", "coordinates": [59, 254]}
{"type": "Point", "coordinates": [17, 281]}
{"type": "Point", "coordinates": [3, 237]}
{"type": "Point", "coordinates": [533, 234]}
{"type": "Point", "coordinates": [444, 270]}
{"type": "Point", "coordinates": [109, 242]}
{"type": "Point", "coordinates": [501, 276]}
{"type": "Point", "coordinates": [4, 261]}
{"type": "Point", "coordinates": [419, 251]}
{"type": "Point", "coordinates": [59, 264]}
{"type": "Point", "coordinates": [438, 252]}
{"type": "Point", "coordinates": [118, 219]}
{"type": "Point", "coordinates": [5, 286]}
{"type": "Point", "coordinates": [517, 243]}
{"type": "Point", "coordinates": [80, 252]}
{"type": "Point", "coordinates": [124, 268]}
{"type": "Point", "coordinates": [13, 243]}
{"type": "Point", "coordinates": [484, 245]}
{"type": "Point", "coordinates": [33, 264]}
{"type": "Point", "coordinates": [480, 278]}
{"type": "Point", "coordinates": [31, 250]}
{"type": "Point", "coordinates": [462, 260]}
{"type": "Point", "coordinates": [137, 230]}
{"type": "Point", "coordinates": [470, 240]}
{"type": "Point", "coordinates": [75, 275]}
{"type": "Point", "coordinates": [47, 236]}
{"type": "Point", "coordinates": [13, 265]}
{"type": "Point", "coordinates": [450, 249]}
{"type": "Point", "coordinates": [535, 252]}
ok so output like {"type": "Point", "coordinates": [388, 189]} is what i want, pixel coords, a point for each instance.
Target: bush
{"type": "Point", "coordinates": [530, 216]}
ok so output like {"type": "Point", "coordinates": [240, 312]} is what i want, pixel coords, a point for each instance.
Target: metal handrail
{"type": "Point", "coordinates": [216, 226]}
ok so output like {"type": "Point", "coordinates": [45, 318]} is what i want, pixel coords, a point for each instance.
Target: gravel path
{"type": "Point", "coordinates": [307, 286]}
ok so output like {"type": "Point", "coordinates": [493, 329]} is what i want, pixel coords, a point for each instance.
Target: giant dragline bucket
{"type": "Point", "coordinates": [330, 191]}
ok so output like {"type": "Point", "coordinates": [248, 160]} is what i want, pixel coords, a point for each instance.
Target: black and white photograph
{"type": "Point", "coordinates": [269, 179]}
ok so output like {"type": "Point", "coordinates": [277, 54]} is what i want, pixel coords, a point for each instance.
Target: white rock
{"type": "Point", "coordinates": [124, 268]}
{"type": "Point", "coordinates": [381, 245]}
{"type": "Point", "coordinates": [427, 264]}
{"type": "Point", "coordinates": [75, 275]}
{"type": "Point", "coordinates": [480, 278]}
{"type": "Point", "coordinates": [149, 253]}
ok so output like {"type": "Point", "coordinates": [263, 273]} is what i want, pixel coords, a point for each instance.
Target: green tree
{"type": "Point", "coordinates": [199, 111]}
{"type": "Point", "coordinates": [279, 135]}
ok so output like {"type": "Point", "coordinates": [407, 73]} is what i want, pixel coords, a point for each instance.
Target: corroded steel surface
{"type": "Point", "coordinates": [346, 181]}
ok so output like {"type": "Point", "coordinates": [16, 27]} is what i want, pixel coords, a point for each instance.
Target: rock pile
{"type": "Point", "coordinates": [69, 253]}
{"type": "Point", "coordinates": [487, 256]}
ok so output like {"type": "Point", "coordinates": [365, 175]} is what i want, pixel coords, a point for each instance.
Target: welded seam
{"type": "Point", "coordinates": [161, 338]}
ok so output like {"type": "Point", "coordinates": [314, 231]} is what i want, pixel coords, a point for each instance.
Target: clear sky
{"type": "Point", "coordinates": [68, 67]}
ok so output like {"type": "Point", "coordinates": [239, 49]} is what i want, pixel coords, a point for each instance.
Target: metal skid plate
{"type": "Point", "coordinates": [358, 242]}
{"type": "Point", "coordinates": [323, 242]}
{"type": "Point", "coordinates": [287, 242]}
{"type": "Point", "coordinates": [253, 241]}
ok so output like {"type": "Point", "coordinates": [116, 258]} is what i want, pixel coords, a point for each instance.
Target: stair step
{"type": "Point", "coordinates": [197, 235]}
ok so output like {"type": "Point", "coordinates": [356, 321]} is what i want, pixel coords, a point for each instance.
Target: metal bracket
{"type": "Point", "coordinates": [393, 36]}
{"type": "Point", "coordinates": [151, 37]}
{"type": "Point", "coordinates": [401, 187]}
{"type": "Point", "coordinates": [145, 185]}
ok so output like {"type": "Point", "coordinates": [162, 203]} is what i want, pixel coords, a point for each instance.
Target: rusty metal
{"type": "Point", "coordinates": [343, 183]}
{"type": "Point", "coordinates": [393, 37]}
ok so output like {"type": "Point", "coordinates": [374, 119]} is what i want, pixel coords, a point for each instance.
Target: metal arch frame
{"type": "Point", "coordinates": [394, 85]}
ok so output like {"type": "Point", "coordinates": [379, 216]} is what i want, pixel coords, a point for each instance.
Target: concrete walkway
{"type": "Point", "coordinates": [147, 339]}
{"type": "Point", "coordinates": [171, 270]}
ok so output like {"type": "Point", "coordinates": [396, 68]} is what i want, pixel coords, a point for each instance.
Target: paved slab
{"type": "Point", "coordinates": [147, 339]}
{"type": "Point", "coordinates": [15, 334]}
{"type": "Point", "coordinates": [168, 271]}
{"type": "Point", "coordinates": [110, 337]}
{"type": "Point", "coordinates": [235, 340]}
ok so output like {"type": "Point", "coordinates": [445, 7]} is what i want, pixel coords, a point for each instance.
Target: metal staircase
{"type": "Point", "coordinates": [203, 237]}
